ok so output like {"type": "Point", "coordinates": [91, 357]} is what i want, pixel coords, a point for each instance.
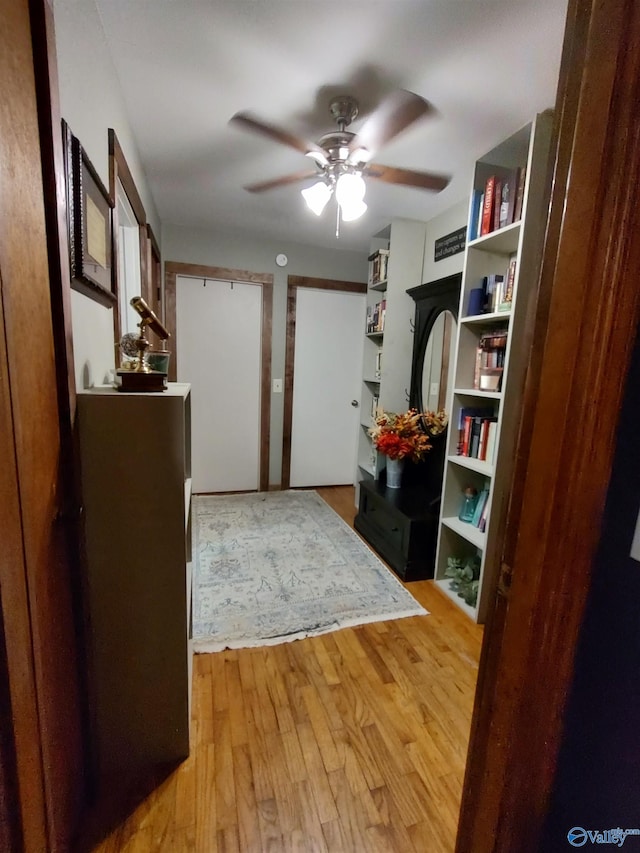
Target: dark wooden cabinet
{"type": "Point", "coordinates": [402, 525]}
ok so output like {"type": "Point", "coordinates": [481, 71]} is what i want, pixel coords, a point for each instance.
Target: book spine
{"type": "Point", "coordinates": [476, 206]}
{"type": "Point", "coordinates": [517, 212]}
{"type": "Point", "coordinates": [491, 441]}
{"type": "Point", "coordinates": [466, 437]}
{"type": "Point", "coordinates": [497, 202]}
{"type": "Point", "coordinates": [487, 208]}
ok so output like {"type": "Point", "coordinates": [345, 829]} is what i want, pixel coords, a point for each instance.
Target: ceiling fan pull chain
{"type": "Point", "coordinates": [337, 220]}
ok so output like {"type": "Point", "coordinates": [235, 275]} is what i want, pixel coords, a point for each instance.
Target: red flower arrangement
{"type": "Point", "coordinates": [407, 436]}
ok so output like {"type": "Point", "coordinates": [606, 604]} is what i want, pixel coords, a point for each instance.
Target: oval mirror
{"type": "Point", "coordinates": [436, 389]}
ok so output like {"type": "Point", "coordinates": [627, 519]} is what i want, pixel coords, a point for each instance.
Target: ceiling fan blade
{"type": "Point", "coordinates": [407, 177]}
{"type": "Point", "coordinates": [394, 114]}
{"type": "Point", "coordinates": [281, 182]}
{"type": "Point", "coordinates": [250, 122]}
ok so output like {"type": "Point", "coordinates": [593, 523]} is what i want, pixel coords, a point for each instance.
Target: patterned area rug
{"type": "Point", "coordinates": [270, 567]}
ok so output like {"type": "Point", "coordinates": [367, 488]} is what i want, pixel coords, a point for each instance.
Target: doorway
{"type": "Point", "coordinates": [220, 324]}
{"type": "Point", "coordinates": [323, 374]}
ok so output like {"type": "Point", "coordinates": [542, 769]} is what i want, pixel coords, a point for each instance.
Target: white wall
{"type": "Point", "coordinates": [452, 219]}
{"type": "Point", "coordinates": [91, 102]}
{"type": "Point", "coordinates": [237, 251]}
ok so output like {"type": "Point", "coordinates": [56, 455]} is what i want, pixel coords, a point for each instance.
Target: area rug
{"type": "Point", "coordinates": [270, 567]}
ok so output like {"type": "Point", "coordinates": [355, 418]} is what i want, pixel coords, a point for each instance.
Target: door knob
{"type": "Point", "coordinates": [355, 404]}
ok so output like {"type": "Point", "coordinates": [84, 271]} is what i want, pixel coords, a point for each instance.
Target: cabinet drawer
{"type": "Point", "coordinates": [376, 512]}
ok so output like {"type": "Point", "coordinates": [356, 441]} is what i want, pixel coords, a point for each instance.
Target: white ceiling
{"type": "Point", "coordinates": [186, 66]}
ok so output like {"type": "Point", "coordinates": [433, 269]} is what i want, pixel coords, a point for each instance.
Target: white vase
{"type": "Point", "coordinates": [394, 473]}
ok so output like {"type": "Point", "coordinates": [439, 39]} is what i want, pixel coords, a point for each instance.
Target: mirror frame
{"type": "Point", "coordinates": [431, 298]}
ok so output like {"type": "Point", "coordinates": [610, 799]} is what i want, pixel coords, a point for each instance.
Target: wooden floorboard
{"type": "Point", "coordinates": [351, 741]}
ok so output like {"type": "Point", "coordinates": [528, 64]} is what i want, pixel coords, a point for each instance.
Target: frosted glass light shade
{"type": "Point", "coordinates": [317, 197]}
{"type": "Point", "coordinates": [353, 211]}
{"type": "Point", "coordinates": [350, 189]}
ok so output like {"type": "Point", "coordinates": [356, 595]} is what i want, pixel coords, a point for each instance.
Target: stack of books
{"type": "Point", "coordinates": [498, 203]}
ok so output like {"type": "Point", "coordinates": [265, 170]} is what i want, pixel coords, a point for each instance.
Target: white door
{"type": "Point", "coordinates": [327, 375]}
{"type": "Point", "coordinates": [219, 329]}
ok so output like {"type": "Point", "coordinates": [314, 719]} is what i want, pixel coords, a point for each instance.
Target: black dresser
{"type": "Point", "coordinates": [402, 526]}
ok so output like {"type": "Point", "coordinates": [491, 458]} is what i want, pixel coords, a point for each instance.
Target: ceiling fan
{"type": "Point", "coordinates": [342, 159]}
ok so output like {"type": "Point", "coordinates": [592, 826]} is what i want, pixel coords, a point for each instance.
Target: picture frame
{"type": "Point", "coordinates": [89, 224]}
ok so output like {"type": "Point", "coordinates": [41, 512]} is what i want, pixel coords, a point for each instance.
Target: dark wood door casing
{"type": "Point", "coordinates": [583, 331]}
{"type": "Point", "coordinates": [36, 574]}
{"type": "Point", "coordinates": [172, 269]}
{"type": "Point", "coordinates": [293, 283]}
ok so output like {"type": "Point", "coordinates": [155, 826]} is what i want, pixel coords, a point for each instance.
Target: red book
{"type": "Point", "coordinates": [466, 435]}
{"type": "Point", "coordinates": [487, 206]}
{"type": "Point", "coordinates": [482, 447]}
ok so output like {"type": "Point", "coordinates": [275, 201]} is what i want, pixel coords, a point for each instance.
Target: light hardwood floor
{"type": "Point", "coordinates": [351, 741]}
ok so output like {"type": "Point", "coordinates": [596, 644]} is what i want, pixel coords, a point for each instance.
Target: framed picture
{"type": "Point", "coordinates": [90, 225]}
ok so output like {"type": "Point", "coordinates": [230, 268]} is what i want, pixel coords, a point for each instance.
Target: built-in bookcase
{"type": "Point", "coordinates": [490, 362]}
{"type": "Point", "coordinates": [395, 264]}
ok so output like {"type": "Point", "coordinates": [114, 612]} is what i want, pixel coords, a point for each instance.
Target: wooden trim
{"type": "Point", "coordinates": [293, 283]}
{"type": "Point", "coordinates": [119, 170]}
{"type": "Point", "coordinates": [221, 273]}
{"type": "Point", "coordinates": [14, 604]}
{"type": "Point", "coordinates": [327, 284]}
{"type": "Point", "coordinates": [170, 319]}
{"type": "Point", "coordinates": [444, 367]}
{"type": "Point", "coordinates": [155, 247]}
{"type": "Point", "coordinates": [265, 387]}
{"type": "Point", "coordinates": [584, 326]}
{"type": "Point", "coordinates": [172, 269]}
{"type": "Point", "coordinates": [289, 359]}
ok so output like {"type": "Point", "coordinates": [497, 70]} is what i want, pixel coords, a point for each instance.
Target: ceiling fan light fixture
{"type": "Point", "coordinates": [317, 197]}
{"type": "Point", "coordinates": [352, 211]}
{"type": "Point", "coordinates": [318, 157]}
{"type": "Point", "coordinates": [350, 189]}
{"type": "Point", "coordinates": [360, 155]}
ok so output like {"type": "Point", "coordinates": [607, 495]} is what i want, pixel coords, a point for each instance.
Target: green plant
{"type": "Point", "coordinates": [464, 573]}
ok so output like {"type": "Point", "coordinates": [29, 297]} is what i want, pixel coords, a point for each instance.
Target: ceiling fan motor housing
{"type": "Point", "coordinates": [344, 109]}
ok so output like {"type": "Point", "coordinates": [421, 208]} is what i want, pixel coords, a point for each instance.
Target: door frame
{"type": "Point", "coordinates": [293, 283]}
{"type": "Point", "coordinates": [172, 269]}
{"type": "Point", "coordinates": [584, 326]}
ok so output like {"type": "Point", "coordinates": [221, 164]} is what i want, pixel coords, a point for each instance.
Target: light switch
{"type": "Point", "coordinates": [435, 388]}
{"type": "Point", "coordinates": [277, 386]}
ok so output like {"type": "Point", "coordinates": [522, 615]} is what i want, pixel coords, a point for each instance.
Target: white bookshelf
{"type": "Point", "coordinates": [484, 256]}
{"type": "Point", "coordinates": [404, 241]}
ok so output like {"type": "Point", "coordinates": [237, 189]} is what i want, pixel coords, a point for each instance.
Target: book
{"type": "Point", "coordinates": [382, 310]}
{"type": "Point", "coordinates": [517, 211]}
{"type": "Point", "coordinates": [480, 505]}
{"type": "Point", "coordinates": [509, 198]}
{"type": "Point", "coordinates": [491, 440]}
{"type": "Point", "coordinates": [474, 436]}
{"type": "Point", "coordinates": [482, 523]}
{"type": "Point", "coordinates": [480, 215]}
{"type": "Point", "coordinates": [474, 214]}
{"type": "Point", "coordinates": [497, 203]}
{"type": "Point", "coordinates": [465, 415]}
{"type": "Point", "coordinates": [492, 283]}
{"type": "Point", "coordinates": [466, 435]}
{"type": "Point", "coordinates": [487, 206]}
{"type": "Point", "coordinates": [507, 299]}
